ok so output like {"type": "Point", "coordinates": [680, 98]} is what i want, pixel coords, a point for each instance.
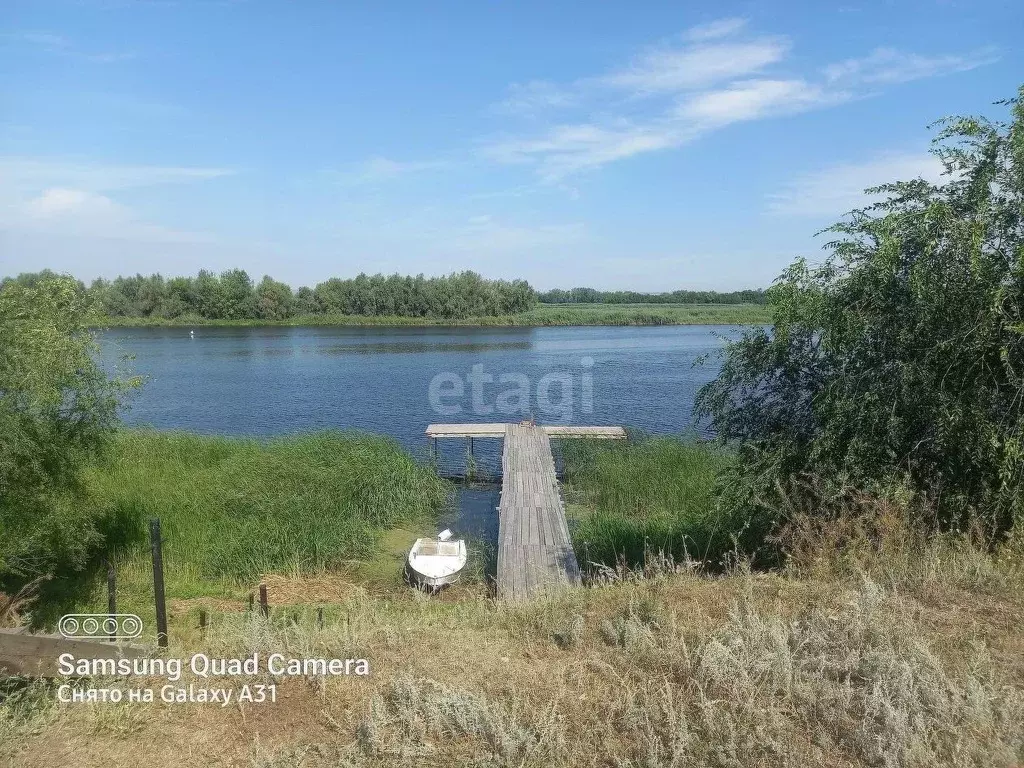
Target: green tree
{"type": "Point", "coordinates": [274, 300]}
{"type": "Point", "coordinates": [57, 409]}
{"type": "Point", "coordinates": [305, 301]}
{"type": "Point", "coordinates": [900, 359]}
{"type": "Point", "coordinates": [237, 295]}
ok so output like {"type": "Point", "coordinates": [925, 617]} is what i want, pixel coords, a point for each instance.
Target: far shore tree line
{"type": "Point", "coordinates": [594, 296]}
{"type": "Point", "coordinates": [233, 295]}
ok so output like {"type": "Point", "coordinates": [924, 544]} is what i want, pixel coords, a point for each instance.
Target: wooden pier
{"type": "Point", "coordinates": [535, 552]}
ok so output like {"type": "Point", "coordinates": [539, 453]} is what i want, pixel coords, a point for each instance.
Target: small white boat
{"type": "Point", "coordinates": [436, 562]}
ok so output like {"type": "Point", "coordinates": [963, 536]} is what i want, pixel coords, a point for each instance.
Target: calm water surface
{"type": "Point", "coordinates": [276, 381]}
{"type": "Point", "coordinates": [273, 381]}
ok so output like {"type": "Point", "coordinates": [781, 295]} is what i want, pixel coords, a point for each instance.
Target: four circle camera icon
{"type": "Point", "coordinates": [100, 626]}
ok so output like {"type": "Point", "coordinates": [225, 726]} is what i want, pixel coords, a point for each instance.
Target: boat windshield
{"type": "Point", "coordinates": [442, 548]}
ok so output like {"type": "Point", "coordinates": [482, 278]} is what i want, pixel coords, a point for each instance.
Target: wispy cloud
{"type": "Point", "coordinates": [45, 40]}
{"type": "Point", "coordinates": [709, 77]}
{"type": "Point", "coordinates": [715, 29]}
{"type": "Point", "coordinates": [486, 234]}
{"type": "Point", "coordinates": [51, 42]}
{"type": "Point", "coordinates": [887, 66]}
{"type": "Point", "coordinates": [568, 149]}
{"type": "Point", "coordinates": [379, 169]}
{"type": "Point", "coordinates": [753, 99]}
{"type": "Point", "coordinates": [78, 213]}
{"type": "Point", "coordinates": [668, 70]}
{"type": "Point", "coordinates": [33, 174]}
{"type": "Point", "coordinates": [76, 199]}
{"type": "Point", "coordinates": [535, 97]}
{"type": "Point", "coordinates": [837, 189]}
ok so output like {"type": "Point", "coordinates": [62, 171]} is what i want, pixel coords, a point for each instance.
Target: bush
{"type": "Point", "coordinates": [57, 409]}
{"type": "Point", "coordinates": [900, 359]}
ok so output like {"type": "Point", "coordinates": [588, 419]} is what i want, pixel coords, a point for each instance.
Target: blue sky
{"type": "Point", "coordinates": [639, 145]}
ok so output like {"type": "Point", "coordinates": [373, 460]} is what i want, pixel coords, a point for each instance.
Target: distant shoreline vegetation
{"type": "Point", "coordinates": [593, 296]}
{"type": "Point", "coordinates": [541, 316]}
{"type": "Point", "coordinates": [465, 298]}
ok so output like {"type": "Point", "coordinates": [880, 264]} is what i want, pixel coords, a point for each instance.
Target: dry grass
{"type": "Point", "coordinates": [15, 608]}
{"type": "Point", "coordinates": [913, 660]}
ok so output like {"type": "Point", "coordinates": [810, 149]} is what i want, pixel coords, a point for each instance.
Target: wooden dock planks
{"type": "Point", "coordinates": [535, 552]}
{"type": "Point", "coordinates": [498, 430]}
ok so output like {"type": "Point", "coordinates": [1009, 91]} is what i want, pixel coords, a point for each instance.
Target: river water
{"type": "Point", "coordinates": [396, 381]}
{"type": "Point", "coordinates": [273, 381]}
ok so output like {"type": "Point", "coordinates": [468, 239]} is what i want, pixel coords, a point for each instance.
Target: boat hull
{"type": "Point", "coordinates": [434, 582]}
{"type": "Point", "coordinates": [434, 563]}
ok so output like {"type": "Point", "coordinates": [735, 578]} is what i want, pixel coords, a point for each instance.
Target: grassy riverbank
{"type": "Point", "coordinates": [918, 636]}
{"type": "Point", "coordinates": [915, 661]}
{"type": "Point", "coordinates": [645, 496]}
{"type": "Point", "coordinates": [542, 315]}
{"type": "Point", "coordinates": [233, 510]}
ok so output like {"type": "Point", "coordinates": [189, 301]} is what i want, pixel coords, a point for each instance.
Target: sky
{"type": "Point", "coordinates": [650, 146]}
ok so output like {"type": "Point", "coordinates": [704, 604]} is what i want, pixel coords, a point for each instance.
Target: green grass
{"type": "Point", "coordinates": [542, 315]}
{"type": "Point", "coordinates": [644, 314]}
{"type": "Point", "coordinates": [648, 495]}
{"type": "Point", "coordinates": [240, 507]}
{"type": "Point", "coordinates": [235, 509]}
{"type": "Point", "coordinates": [232, 509]}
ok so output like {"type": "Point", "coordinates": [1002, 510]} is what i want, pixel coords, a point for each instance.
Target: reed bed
{"type": "Point", "coordinates": [644, 314]}
{"type": "Point", "coordinates": [541, 315]}
{"type": "Point", "coordinates": [648, 495]}
{"type": "Point", "coordinates": [238, 508]}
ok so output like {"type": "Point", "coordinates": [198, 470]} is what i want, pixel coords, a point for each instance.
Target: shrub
{"type": "Point", "coordinates": [900, 359]}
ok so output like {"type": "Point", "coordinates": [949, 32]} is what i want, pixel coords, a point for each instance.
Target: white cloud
{"type": "Point", "coordinates": [61, 198]}
{"type": "Point", "coordinates": [568, 149]}
{"type": "Point", "coordinates": [493, 236]}
{"type": "Point", "coordinates": [58, 202]}
{"type": "Point", "coordinates": [47, 40]}
{"type": "Point", "coordinates": [62, 45]}
{"type": "Point", "coordinates": [79, 213]}
{"type": "Point", "coordinates": [702, 59]}
{"type": "Point", "coordinates": [717, 75]}
{"type": "Point", "coordinates": [715, 29]}
{"type": "Point", "coordinates": [38, 173]}
{"type": "Point", "coordinates": [751, 99]}
{"type": "Point", "coordinates": [887, 66]}
{"type": "Point", "coordinates": [534, 97]}
{"type": "Point", "coordinates": [380, 169]}
{"type": "Point", "coordinates": [837, 189]}
{"type": "Point", "coordinates": [670, 70]}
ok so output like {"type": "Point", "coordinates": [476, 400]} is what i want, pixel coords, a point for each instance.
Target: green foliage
{"type": "Point", "coordinates": [460, 295]}
{"type": "Point", "coordinates": [899, 361]}
{"type": "Point", "coordinates": [650, 494]}
{"type": "Point", "coordinates": [232, 296]}
{"type": "Point", "coordinates": [274, 300]}
{"type": "Point", "coordinates": [57, 409]}
{"type": "Point", "coordinates": [541, 315]}
{"type": "Point", "coordinates": [593, 296]}
{"type": "Point", "coordinates": [465, 296]}
{"type": "Point", "coordinates": [240, 508]}
{"type": "Point", "coordinates": [643, 314]}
